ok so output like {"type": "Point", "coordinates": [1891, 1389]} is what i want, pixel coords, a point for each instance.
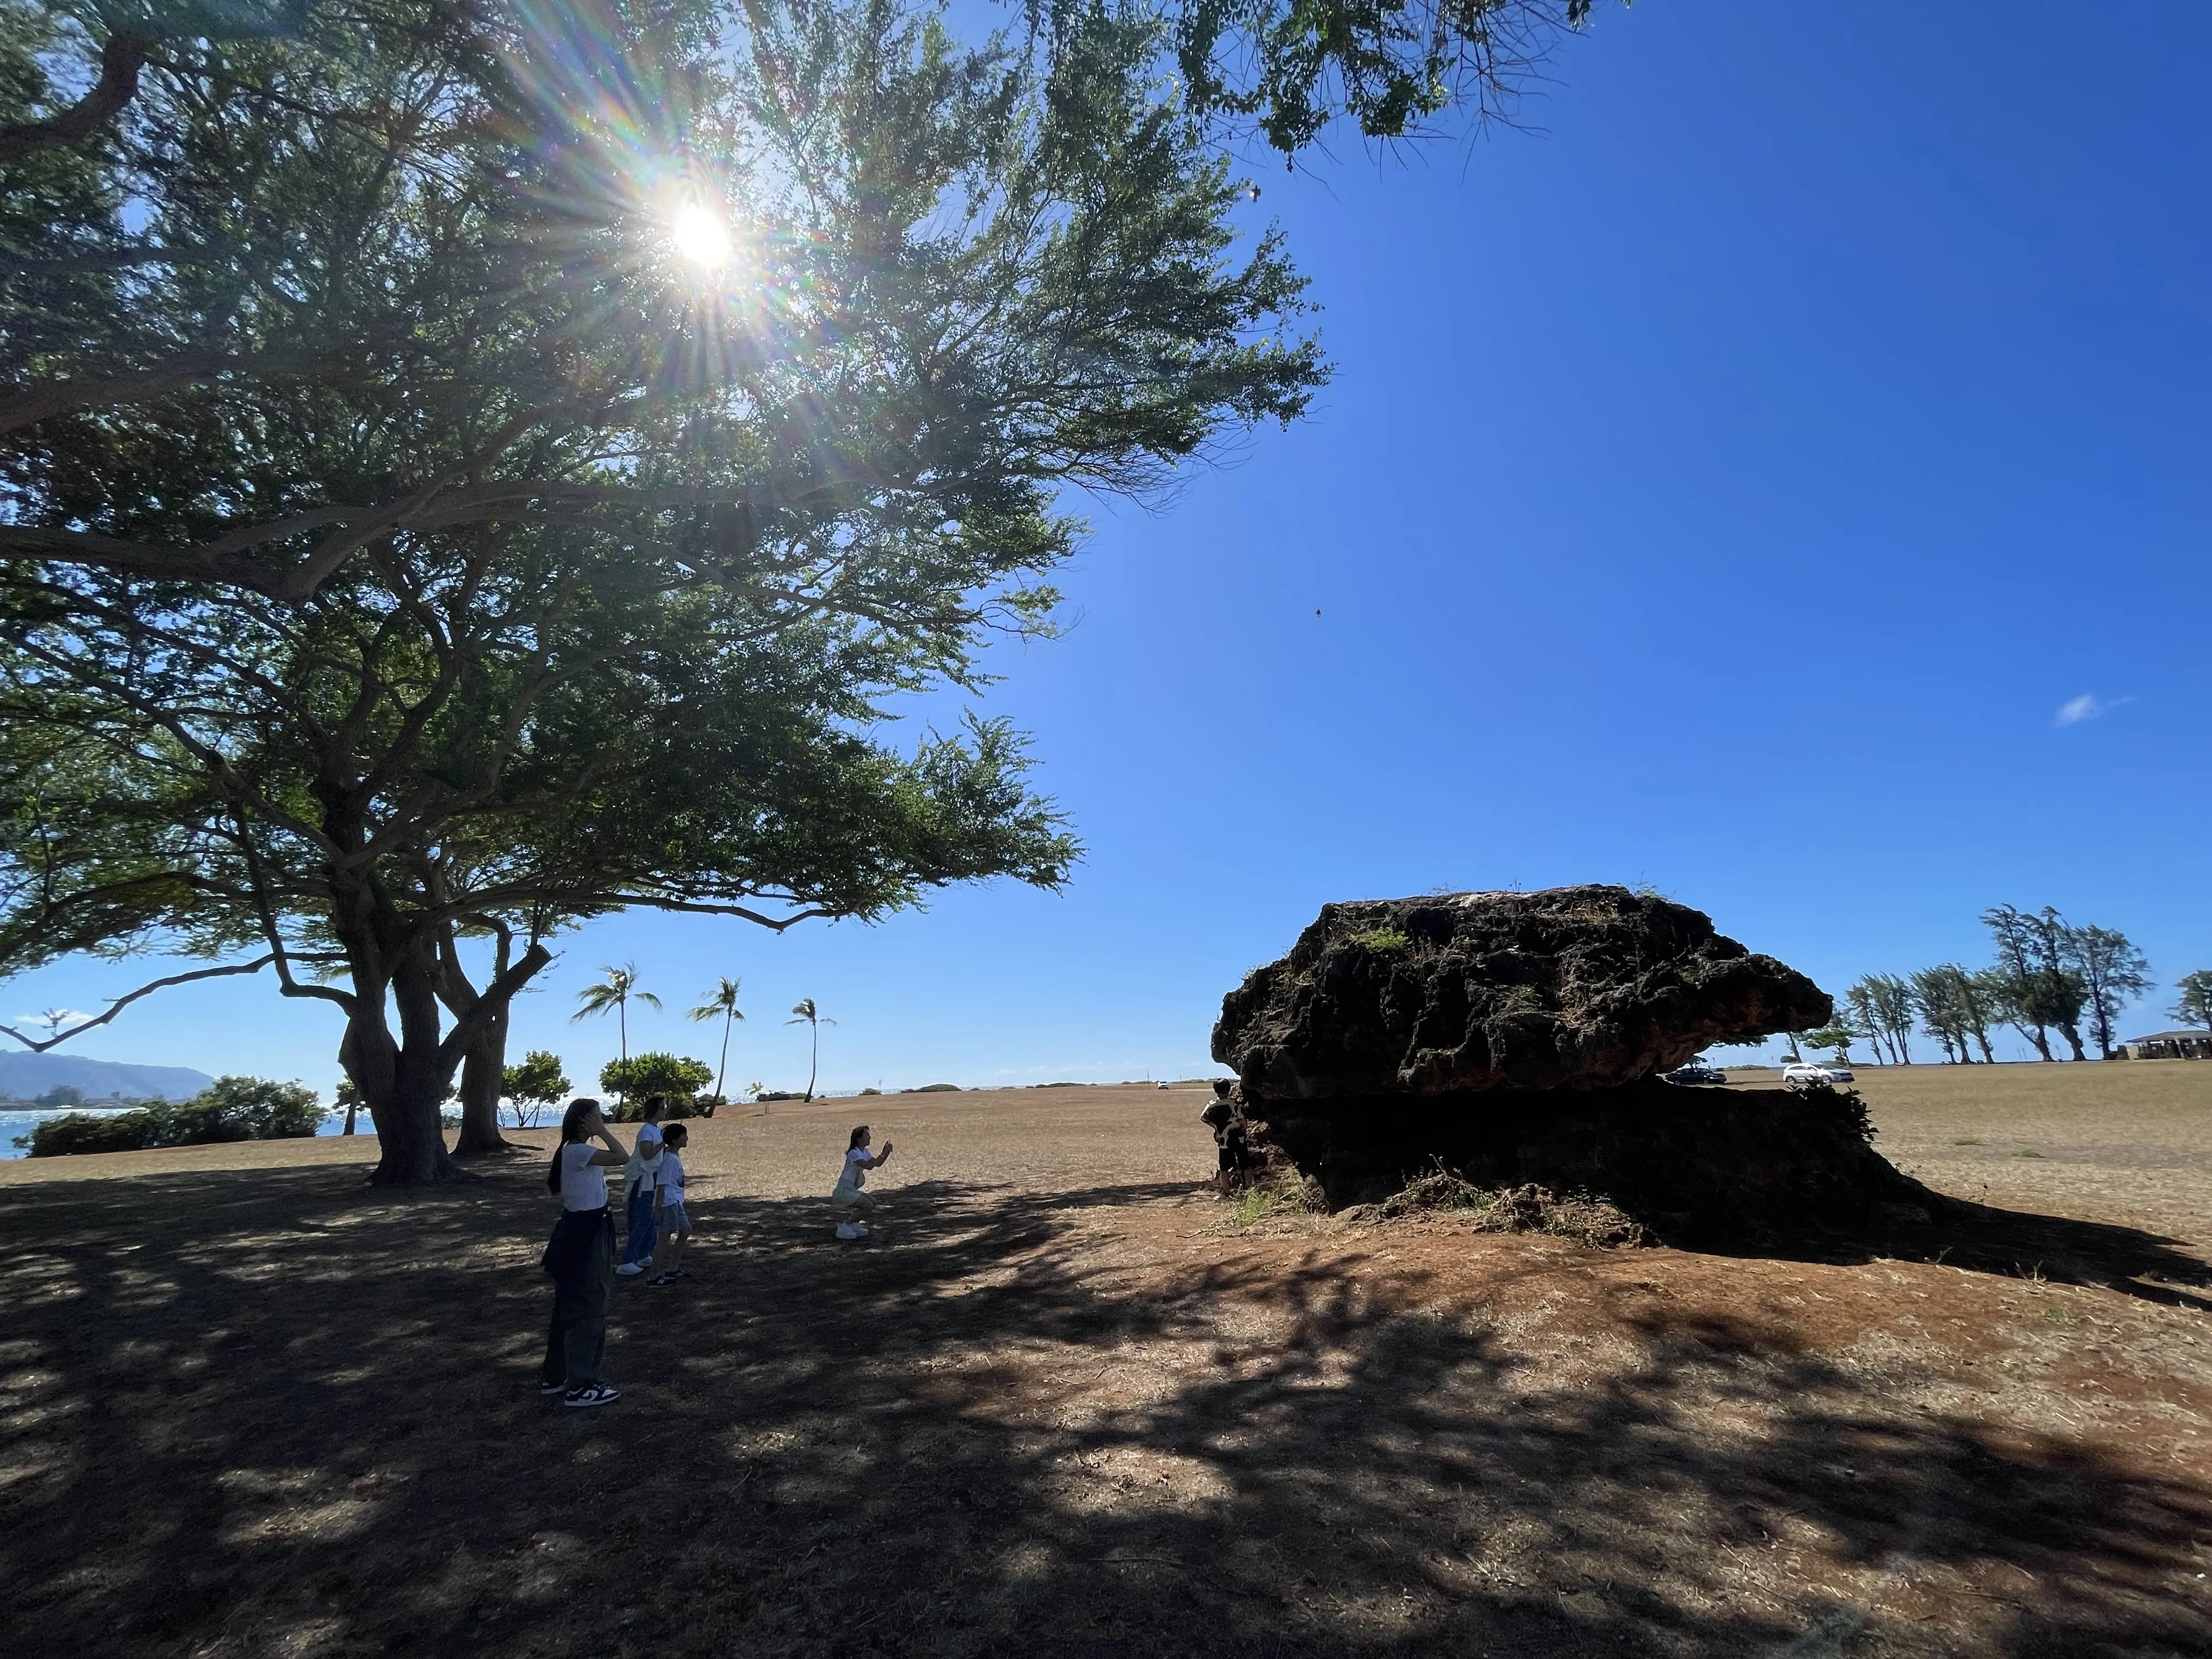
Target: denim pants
{"type": "Point", "coordinates": [578, 1339]}
{"type": "Point", "coordinates": [639, 1212]}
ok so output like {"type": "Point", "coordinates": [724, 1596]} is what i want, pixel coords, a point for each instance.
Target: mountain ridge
{"type": "Point", "coordinates": [25, 1076]}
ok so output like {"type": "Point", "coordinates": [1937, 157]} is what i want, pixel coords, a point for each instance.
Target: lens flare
{"type": "Point", "coordinates": [699, 237]}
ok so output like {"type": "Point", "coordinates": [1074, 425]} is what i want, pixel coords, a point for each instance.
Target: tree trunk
{"type": "Point", "coordinates": [481, 1073]}
{"type": "Point", "coordinates": [406, 1082]}
{"type": "Point", "coordinates": [2072, 1033]}
{"type": "Point", "coordinates": [483, 1067]}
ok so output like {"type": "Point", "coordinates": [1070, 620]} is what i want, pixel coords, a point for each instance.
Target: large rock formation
{"type": "Point", "coordinates": [1518, 1037]}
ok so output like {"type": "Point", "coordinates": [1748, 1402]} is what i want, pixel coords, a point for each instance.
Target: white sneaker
{"type": "Point", "coordinates": [850, 1229]}
{"type": "Point", "coordinates": [627, 1269]}
{"type": "Point", "coordinates": [859, 1229]}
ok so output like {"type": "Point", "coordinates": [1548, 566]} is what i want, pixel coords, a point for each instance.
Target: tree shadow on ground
{"type": "Point", "coordinates": [2017, 1244]}
{"type": "Point", "coordinates": [274, 1412]}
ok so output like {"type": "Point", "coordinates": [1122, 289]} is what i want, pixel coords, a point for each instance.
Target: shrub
{"type": "Point", "coordinates": [1379, 938]}
{"type": "Point", "coordinates": [933, 1089]}
{"type": "Point", "coordinates": [1280, 1192]}
{"type": "Point", "coordinates": [677, 1077]}
{"type": "Point", "coordinates": [231, 1109]}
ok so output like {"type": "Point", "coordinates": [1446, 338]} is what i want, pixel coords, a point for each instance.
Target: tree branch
{"type": "Point", "coordinates": [496, 995]}
{"type": "Point", "coordinates": [120, 59]}
{"type": "Point", "coordinates": [121, 1003]}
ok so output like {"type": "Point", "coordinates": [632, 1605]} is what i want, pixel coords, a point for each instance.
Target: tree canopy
{"type": "Point", "coordinates": [587, 582]}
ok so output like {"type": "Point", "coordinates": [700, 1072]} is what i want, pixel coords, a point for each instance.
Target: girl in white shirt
{"type": "Point", "coordinates": [846, 1195]}
{"type": "Point", "coordinates": [580, 1257]}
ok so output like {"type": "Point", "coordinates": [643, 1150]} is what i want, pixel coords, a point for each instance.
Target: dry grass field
{"type": "Point", "coordinates": [1060, 1404]}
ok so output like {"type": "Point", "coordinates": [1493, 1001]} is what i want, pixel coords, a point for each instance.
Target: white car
{"type": "Point", "coordinates": [1801, 1072]}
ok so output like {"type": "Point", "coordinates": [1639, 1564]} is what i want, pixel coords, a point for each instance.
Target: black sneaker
{"type": "Point", "coordinates": [591, 1395]}
{"type": "Point", "coordinates": [551, 1391]}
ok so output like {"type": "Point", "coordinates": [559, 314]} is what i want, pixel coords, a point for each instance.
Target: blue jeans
{"type": "Point", "coordinates": [638, 1211]}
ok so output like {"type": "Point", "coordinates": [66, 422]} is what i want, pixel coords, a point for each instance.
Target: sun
{"type": "Point", "coordinates": [699, 237]}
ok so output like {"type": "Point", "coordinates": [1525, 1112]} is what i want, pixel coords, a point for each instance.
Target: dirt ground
{"type": "Point", "coordinates": [1060, 1405]}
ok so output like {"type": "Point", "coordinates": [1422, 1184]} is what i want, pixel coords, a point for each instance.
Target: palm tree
{"type": "Point", "coordinates": [615, 991]}
{"type": "Point", "coordinates": [723, 1001]}
{"type": "Point", "coordinates": [809, 1015]}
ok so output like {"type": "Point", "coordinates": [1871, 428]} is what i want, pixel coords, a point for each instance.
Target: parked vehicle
{"type": "Point", "coordinates": [1802, 1072]}
{"type": "Point", "coordinates": [1696, 1073]}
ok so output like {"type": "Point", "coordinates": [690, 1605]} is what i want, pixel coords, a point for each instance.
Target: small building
{"type": "Point", "coordinates": [2169, 1045]}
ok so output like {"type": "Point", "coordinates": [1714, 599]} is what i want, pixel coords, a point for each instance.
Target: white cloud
{"type": "Point", "coordinates": [2086, 707]}
{"type": "Point", "coordinates": [57, 1018]}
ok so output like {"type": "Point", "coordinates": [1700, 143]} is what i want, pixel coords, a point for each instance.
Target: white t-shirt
{"type": "Point", "coordinates": [855, 1171]}
{"type": "Point", "coordinates": [583, 1183]}
{"type": "Point", "coordinates": [671, 1179]}
{"type": "Point", "coordinates": [643, 1169]}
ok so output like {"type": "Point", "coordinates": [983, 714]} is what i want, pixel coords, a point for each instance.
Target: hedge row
{"type": "Point", "coordinates": [233, 1108]}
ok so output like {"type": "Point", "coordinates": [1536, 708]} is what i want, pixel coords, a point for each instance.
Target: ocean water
{"type": "Point", "coordinates": [13, 1124]}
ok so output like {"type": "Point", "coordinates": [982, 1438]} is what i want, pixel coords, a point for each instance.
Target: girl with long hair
{"type": "Point", "coordinates": [846, 1195]}
{"type": "Point", "coordinates": [580, 1257]}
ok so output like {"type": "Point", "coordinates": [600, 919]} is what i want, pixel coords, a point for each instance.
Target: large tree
{"type": "Point", "coordinates": [2113, 973]}
{"type": "Point", "coordinates": [2194, 1006]}
{"type": "Point", "coordinates": [2035, 988]}
{"type": "Point", "coordinates": [214, 213]}
{"type": "Point", "coordinates": [813, 316]}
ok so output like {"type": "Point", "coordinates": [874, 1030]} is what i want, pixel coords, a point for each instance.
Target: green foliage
{"type": "Point", "coordinates": [512, 572]}
{"type": "Point", "coordinates": [537, 1082]}
{"type": "Point", "coordinates": [1378, 939]}
{"type": "Point", "coordinates": [231, 1109]}
{"type": "Point", "coordinates": [1882, 1011]}
{"type": "Point", "coordinates": [2112, 971]}
{"type": "Point", "coordinates": [1836, 1039]}
{"type": "Point", "coordinates": [678, 1078]}
{"type": "Point", "coordinates": [1292, 67]}
{"type": "Point", "coordinates": [930, 1089]}
{"type": "Point", "coordinates": [2035, 989]}
{"type": "Point", "coordinates": [2195, 1005]}
{"type": "Point", "coordinates": [1282, 1192]}
{"type": "Point", "coordinates": [539, 1079]}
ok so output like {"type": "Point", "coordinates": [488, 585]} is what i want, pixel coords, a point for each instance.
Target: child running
{"type": "Point", "coordinates": [846, 1195]}
{"type": "Point", "coordinates": [672, 1222]}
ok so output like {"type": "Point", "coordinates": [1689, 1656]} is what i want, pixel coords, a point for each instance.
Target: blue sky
{"type": "Point", "coordinates": [1729, 486]}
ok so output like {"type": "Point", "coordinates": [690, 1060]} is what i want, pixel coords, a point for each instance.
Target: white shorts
{"type": "Point", "coordinates": [845, 1194]}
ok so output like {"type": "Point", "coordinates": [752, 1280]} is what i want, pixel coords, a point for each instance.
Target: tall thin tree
{"type": "Point", "coordinates": [2112, 971]}
{"type": "Point", "coordinates": [812, 1018]}
{"type": "Point", "coordinates": [616, 991]}
{"type": "Point", "coordinates": [722, 1001]}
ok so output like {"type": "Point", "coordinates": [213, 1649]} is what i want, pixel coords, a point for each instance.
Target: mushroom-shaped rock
{"type": "Point", "coordinates": [1515, 1038]}
{"type": "Point", "coordinates": [1576, 988]}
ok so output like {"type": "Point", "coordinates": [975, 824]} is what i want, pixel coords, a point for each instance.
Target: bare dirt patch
{"type": "Point", "coordinates": [248, 1406]}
